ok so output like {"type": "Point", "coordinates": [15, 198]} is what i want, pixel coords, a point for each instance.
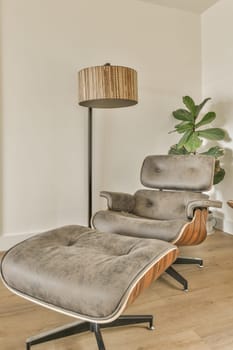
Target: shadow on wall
{"type": "Point", "coordinates": [225, 188]}
{"type": "Point", "coordinates": [224, 111]}
{"type": "Point", "coordinates": [1, 132]}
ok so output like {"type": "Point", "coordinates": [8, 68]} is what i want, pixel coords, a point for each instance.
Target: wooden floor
{"type": "Point", "coordinates": [201, 319]}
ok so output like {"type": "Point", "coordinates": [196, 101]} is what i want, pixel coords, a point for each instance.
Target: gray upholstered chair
{"type": "Point", "coordinates": [174, 209]}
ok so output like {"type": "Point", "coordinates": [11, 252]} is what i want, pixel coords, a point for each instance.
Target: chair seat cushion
{"type": "Point", "coordinates": [81, 271]}
{"type": "Point", "coordinates": [137, 226]}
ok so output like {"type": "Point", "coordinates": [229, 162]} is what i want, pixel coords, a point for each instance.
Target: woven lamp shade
{"type": "Point", "coordinates": [107, 87]}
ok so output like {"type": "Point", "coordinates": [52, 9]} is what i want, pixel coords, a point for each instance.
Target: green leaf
{"type": "Point", "coordinates": [182, 127]}
{"type": "Point", "coordinates": [182, 114]}
{"type": "Point", "coordinates": [180, 124]}
{"type": "Point", "coordinates": [201, 105]}
{"type": "Point", "coordinates": [177, 151]}
{"type": "Point", "coordinates": [184, 139]}
{"type": "Point", "coordinates": [212, 134]}
{"type": "Point", "coordinates": [219, 176]}
{"type": "Point", "coordinates": [215, 152]}
{"type": "Point", "coordinates": [189, 103]}
{"type": "Point", "coordinates": [208, 118]}
{"type": "Point", "coordinates": [193, 142]}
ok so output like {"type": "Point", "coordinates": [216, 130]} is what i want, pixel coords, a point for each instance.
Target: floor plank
{"type": "Point", "coordinates": [201, 319]}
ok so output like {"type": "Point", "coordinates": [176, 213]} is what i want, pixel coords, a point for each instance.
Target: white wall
{"type": "Point", "coordinates": [217, 58]}
{"type": "Point", "coordinates": [43, 146]}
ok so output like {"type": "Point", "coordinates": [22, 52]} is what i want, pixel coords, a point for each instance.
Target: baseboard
{"type": "Point", "coordinates": [8, 241]}
{"type": "Point", "coordinates": [224, 225]}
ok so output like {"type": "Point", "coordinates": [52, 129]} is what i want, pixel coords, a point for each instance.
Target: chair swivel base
{"type": "Point", "coordinates": [83, 326]}
{"type": "Point", "coordinates": [178, 277]}
{"type": "Point", "coordinates": [189, 260]}
{"type": "Point", "coordinates": [183, 260]}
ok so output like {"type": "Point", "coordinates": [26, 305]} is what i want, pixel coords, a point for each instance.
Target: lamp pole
{"type": "Point", "coordinates": [90, 151]}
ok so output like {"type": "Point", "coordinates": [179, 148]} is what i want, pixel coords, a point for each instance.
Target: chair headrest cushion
{"type": "Point", "coordinates": [178, 172]}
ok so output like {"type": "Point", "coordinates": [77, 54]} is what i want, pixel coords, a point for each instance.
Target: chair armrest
{"type": "Point", "coordinates": [191, 206]}
{"type": "Point", "coordinates": [119, 201]}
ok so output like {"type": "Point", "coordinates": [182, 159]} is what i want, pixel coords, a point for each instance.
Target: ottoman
{"type": "Point", "coordinates": [86, 274]}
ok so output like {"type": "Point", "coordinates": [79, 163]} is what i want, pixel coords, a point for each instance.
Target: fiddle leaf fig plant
{"type": "Point", "coordinates": [192, 128]}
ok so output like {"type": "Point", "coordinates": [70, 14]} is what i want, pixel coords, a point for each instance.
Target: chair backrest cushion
{"type": "Point", "coordinates": [164, 205]}
{"type": "Point", "coordinates": [178, 172]}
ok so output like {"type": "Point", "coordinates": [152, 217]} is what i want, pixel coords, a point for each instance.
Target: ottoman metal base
{"type": "Point", "coordinates": [80, 327]}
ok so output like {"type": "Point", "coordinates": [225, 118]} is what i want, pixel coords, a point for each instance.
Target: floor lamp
{"type": "Point", "coordinates": [104, 86]}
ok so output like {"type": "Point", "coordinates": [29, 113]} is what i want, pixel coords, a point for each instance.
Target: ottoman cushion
{"type": "Point", "coordinates": [80, 271]}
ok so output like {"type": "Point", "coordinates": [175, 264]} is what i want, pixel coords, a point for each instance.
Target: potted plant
{"type": "Point", "coordinates": [192, 127]}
